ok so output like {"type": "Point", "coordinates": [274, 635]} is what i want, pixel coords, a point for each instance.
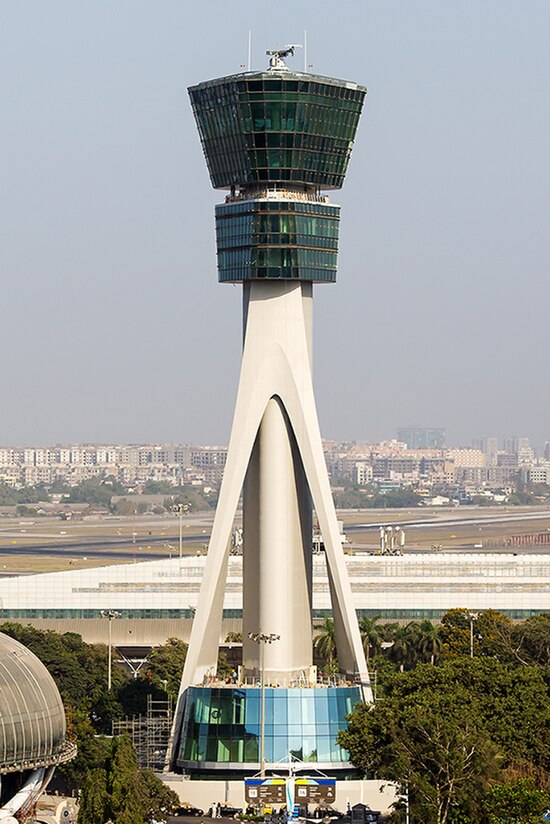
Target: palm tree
{"type": "Point", "coordinates": [429, 641]}
{"type": "Point", "coordinates": [403, 651]}
{"type": "Point", "coordinates": [370, 635]}
{"type": "Point", "coordinates": [325, 642]}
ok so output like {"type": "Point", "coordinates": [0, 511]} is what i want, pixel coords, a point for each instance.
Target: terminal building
{"type": "Point", "coordinates": [158, 599]}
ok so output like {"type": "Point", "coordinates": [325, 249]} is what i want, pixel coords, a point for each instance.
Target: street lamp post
{"type": "Point", "coordinates": [181, 510]}
{"type": "Point", "coordinates": [473, 616]}
{"type": "Point", "coordinates": [110, 614]}
{"type": "Point", "coordinates": [262, 638]}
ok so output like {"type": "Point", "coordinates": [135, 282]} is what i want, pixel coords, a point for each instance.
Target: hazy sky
{"type": "Point", "coordinates": [114, 327]}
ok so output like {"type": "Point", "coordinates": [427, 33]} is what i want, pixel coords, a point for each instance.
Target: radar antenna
{"type": "Point", "coordinates": [277, 56]}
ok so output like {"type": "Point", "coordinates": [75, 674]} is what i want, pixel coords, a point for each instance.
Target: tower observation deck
{"type": "Point", "coordinates": [276, 140]}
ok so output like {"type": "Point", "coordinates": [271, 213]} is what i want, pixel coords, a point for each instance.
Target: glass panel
{"type": "Point", "coordinates": [324, 748]}
{"type": "Point", "coordinates": [252, 709]}
{"type": "Point", "coordinates": [280, 747]}
{"type": "Point", "coordinates": [295, 746]}
{"type": "Point", "coordinates": [294, 712]}
{"type": "Point", "coordinates": [280, 714]}
{"type": "Point", "coordinates": [308, 707]}
{"type": "Point", "coordinates": [211, 749]}
{"type": "Point", "coordinates": [224, 749]}
{"type": "Point", "coordinates": [251, 750]}
{"type": "Point", "coordinates": [237, 750]}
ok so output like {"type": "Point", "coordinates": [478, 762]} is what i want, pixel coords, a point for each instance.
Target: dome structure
{"type": "Point", "coordinates": [32, 726]}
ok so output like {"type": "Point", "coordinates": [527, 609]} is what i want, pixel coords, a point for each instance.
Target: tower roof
{"type": "Point", "coordinates": [277, 127]}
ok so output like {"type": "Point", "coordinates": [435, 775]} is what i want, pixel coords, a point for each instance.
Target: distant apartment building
{"type": "Point", "coordinates": [466, 457]}
{"type": "Point", "coordinates": [508, 460]}
{"type": "Point", "coordinates": [489, 447]}
{"type": "Point", "coordinates": [515, 444]}
{"type": "Point", "coordinates": [381, 463]}
{"type": "Point", "coordinates": [437, 469]}
{"type": "Point", "coordinates": [537, 473]}
{"type": "Point", "coordinates": [363, 473]}
{"type": "Point", "coordinates": [486, 478]}
{"type": "Point", "coordinates": [422, 437]}
{"type": "Point", "coordinates": [401, 468]}
{"type": "Point", "coordinates": [128, 464]}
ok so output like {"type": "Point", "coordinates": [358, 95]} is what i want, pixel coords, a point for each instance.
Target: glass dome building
{"type": "Point", "coordinates": [33, 733]}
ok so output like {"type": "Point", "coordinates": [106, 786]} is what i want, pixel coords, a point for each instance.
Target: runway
{"type": "Point", "coordinates": [44, 544]}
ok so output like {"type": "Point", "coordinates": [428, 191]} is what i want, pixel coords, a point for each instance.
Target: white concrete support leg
{"type": "Point", "coordinates": [277, 552]}
{"type": "Point", "coordinates": [275, 372]}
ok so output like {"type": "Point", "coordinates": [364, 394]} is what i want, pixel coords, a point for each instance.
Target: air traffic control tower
{"type": "Point", "coordinates": [276, 140]}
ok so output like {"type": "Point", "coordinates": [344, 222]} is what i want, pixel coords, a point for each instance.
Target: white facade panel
{"type": "Point", "coordinates": [381, 584]}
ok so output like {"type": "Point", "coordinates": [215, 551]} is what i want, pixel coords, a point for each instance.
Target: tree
{"type": "Point", "coordinates": [428, 641]}
{"type": "Point", "coordinates": [79, 670]}
{"type": "Point", "coordinates": [224, 669]}
{"type": "Point", "coordinates": [370, 635]}
{"type": "Point", "coordinates": [520, 802]}
{"type": "Point", "coordinates": [497, 636]}
{"type": "Point", "coordinates": [455, 632]}
{"type": "Point", "coordinates": [531, 639]}
{"type": "Point", "coordinates": [434, 748]}
{"type": "Point", "coordinates": [403, 652]}
{"type": "Point", "coordinates": [159, 799]}
{"type": "Point", "coordinates": [92, 751]}
{"type": "Point", "coordinates": [94, 492]}
{"type": "Point", "coordinates": [446, 730]}
{"type": "Point", "coordinates": [126, 797]}
{"type": "Point", "coordinates": [325, 643]}
{"type": "Point", "coordinates": [93, 799]}
{"type": "Point", "coordinates": [165, 665]}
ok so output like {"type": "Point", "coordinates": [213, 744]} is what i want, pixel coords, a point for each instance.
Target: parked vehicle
{"type": "Point", "coordinates": [327, 812]}
{"type": "Point", "coordinates": [225, 811]}
{"type": "Point", "coordinates": [188, 809]}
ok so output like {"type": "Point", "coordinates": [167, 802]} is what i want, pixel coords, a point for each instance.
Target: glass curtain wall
{"type": "Point", "coordinates": [224, 724]}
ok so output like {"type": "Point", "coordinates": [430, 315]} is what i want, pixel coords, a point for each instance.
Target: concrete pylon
{"type": "Point", "coordinates": [275, 425]}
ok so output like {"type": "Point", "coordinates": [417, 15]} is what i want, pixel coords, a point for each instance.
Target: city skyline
{"type": "Point", "coordinates": [447, 194]}
{"type": "Point", "coordinates": [502, 441]}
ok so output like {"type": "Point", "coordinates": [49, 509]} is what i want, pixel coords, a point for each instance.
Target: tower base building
{"type": "Point", "coordinates": [275, 140]}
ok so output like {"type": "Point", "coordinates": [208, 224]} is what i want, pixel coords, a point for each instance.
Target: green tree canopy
{"type": "Point", "coordinates": [520, 802]}
{"type": "Point", "coordinates": [165, 665]}
{"type": "Point", "coordinates": [126, 801]}
{"type": "Point", "coordinates": [448, 729]}
{"type": "Point", "coordinates": [94, 799]}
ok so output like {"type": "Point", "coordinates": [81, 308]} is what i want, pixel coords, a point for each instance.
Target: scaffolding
{"type": "Point", "coordinates": [150, 733]}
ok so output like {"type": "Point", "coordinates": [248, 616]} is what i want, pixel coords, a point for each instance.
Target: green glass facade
{"type": "Point", "coordinates": [222, 725]}
{"type": "Point", "coordinates": [277, 128]}
{"type": "Point", "coordinates": [286, 239]}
